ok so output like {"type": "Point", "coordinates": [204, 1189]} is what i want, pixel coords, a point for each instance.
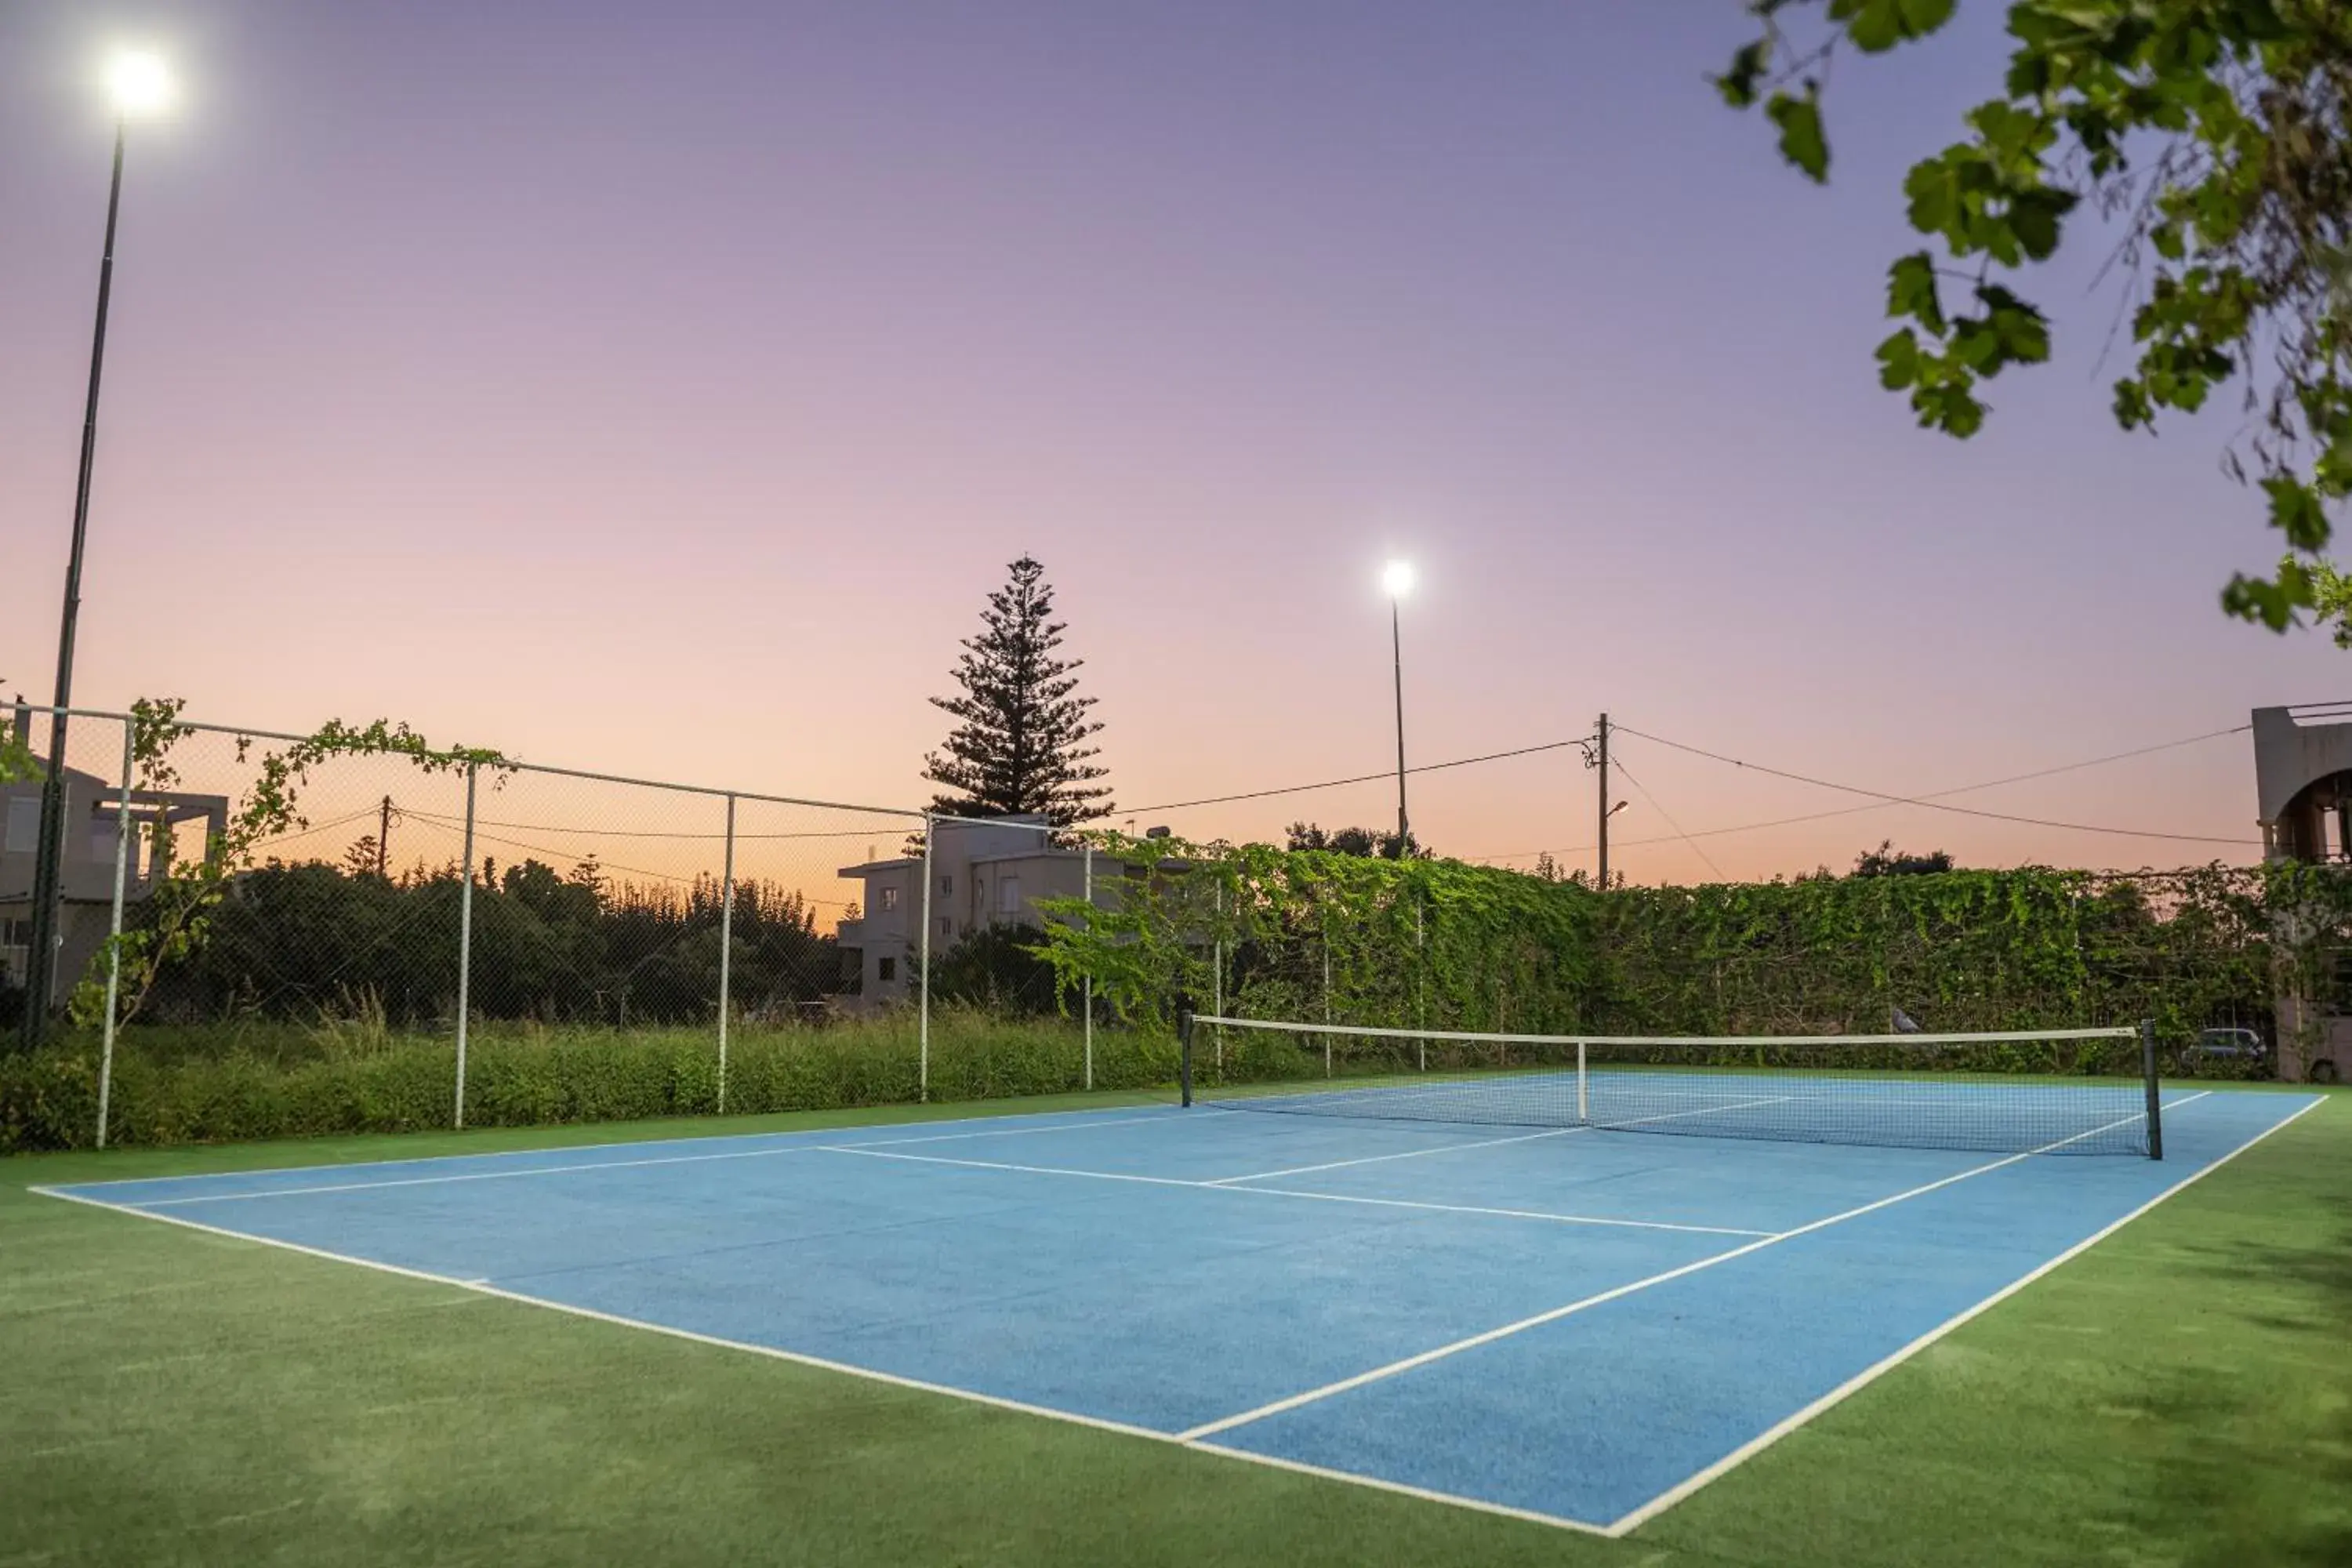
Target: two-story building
{"type": "Point", "coordinates": [87, 855]}
{"type": "Point", "coordinates": [983, 874]}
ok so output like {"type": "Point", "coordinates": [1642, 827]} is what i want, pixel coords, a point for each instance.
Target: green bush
{"type": "Point", "coordinates": [189, 1085]}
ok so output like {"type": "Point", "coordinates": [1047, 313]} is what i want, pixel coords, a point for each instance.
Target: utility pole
{"type": "Point", "coordinates": [1604, 754]}
{"type": "Point", "coordinates": [383, 839]}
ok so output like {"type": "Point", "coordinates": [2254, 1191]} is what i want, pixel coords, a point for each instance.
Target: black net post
{"type": "Point", "coordinates": [2154, 1098]}
{"type": "Point", "coordinates": [1184, 1048]}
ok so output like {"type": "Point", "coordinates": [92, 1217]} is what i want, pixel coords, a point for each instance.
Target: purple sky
{"type": "Point", "coordinates": [660, 389]}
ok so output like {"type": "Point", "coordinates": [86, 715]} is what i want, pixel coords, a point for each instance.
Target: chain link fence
{"type": "Point", "coordinates": [263, 934]}
{"type": "Point", "coordinates": [459, 938]}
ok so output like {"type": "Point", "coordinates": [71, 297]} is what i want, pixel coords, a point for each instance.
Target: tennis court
{"type": "Point", "coordinates": [1572, 1323]}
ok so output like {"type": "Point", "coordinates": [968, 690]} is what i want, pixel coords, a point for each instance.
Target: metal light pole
{"type": "Point", "coordinates": [1398, 580]}
{"type": "Point", "coordinates": [140, 84]}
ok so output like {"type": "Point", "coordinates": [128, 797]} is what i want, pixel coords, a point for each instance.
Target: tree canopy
{"type": "Point", "coordinates": [1372, 843]}
{"type": "Point", "coordinates": [1020, 742]}
{"type": "Point", "coordinates": [2213, 134]}
{"type": "Point", "coordinates": [1888, 861]}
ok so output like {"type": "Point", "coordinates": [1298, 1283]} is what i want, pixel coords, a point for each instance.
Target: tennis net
{"type": "Point", "coordinates": [2071, 1091]}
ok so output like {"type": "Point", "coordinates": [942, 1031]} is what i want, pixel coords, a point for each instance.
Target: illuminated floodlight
{"type": "Point", "coordinates": [139, 83]}
{"type": "Point", "coordinates": [1397, 578]}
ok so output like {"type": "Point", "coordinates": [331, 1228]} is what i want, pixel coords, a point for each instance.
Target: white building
{"type": "Point", "coordinates": [87, 855]}
{"type": "Point", "coordinates": [983, 874]}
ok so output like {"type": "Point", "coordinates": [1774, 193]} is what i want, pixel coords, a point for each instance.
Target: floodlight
{"type": "Point", "coordinates": [139, 83]}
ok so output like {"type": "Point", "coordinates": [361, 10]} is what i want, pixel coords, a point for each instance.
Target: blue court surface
{"type": "Point", "coordinates": [1575, 1325]}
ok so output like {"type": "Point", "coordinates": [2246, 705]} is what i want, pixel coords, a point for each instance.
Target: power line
{"type": "Point", "coordinates": [307, 829]}
{"type": "Point", "coordinates": [1926, 799]}
{"type": "Point", "coordinates": [609, 865]}
{"type": "Point", "coordinates": [1360, 778]}
{"type": "Point", "coordinates": [1935, 802]}
{"type": "Point", "coordinates": [1686, 839]}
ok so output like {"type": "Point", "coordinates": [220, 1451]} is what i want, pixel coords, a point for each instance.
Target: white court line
{"type": "Point", "coordinates": [1376, 1159]}
{"type": "Point", "coordinates": [1702, 1110]}
{"type": "Point", "coordinates": [568, 1170]}
{"type": "Point", "coordinates": [1619, 1528]}
{"type": "Point", "coordinates": [1286, 1193]}
{"type": "Point", "coordinates": [1392, 1368]}
{"type": "Point", "coordinates": [456, 1176]}
{"type": "Point", "coordinates": [1094, 1118]}
{"type": "Point", "coordinates": [874, 1154]}
{"type": "Point", "coordinates": [1872, 1373]}
{"type": "Point", "coordinates": [1517, 1138]}
{"type": "Point", "coordinates": [869, 1375]}
{"type": "Point", "coordinates": [1173, 1116]}
{"type": "Point", "coordinates": [1502, 1214]}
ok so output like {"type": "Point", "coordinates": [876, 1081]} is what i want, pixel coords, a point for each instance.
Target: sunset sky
{"type": "Point", "coordinates": [660, 389]}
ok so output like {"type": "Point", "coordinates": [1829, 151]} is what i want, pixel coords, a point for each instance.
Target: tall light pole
{"type": "Point", "coordinates": [140, 86]}
{"type": "Point", "coordinates": [1397, 578]}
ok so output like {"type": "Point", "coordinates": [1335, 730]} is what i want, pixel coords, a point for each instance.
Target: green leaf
{"type": "Point", "coordinates": [1976, 344]}
{"type": "Point", "coordinates": [2297, 512]}
{"type": "Point", "coordinates": [1876, 26]}
{"type": "Point", "coordinates": [2018, 331]}
{"type": "Point", "coordinates": [1802, 141]}
{"type": "Point", "coordinates": [1933, 185]}
{"type": "Point", "coordinates": [2272, 603]}
{"type": "Point", "coordinates": [1737, 84]}
{"type": "Point", "coordinates": [2332, 474]}
{"type": "Point", "coordinates": [1898, 360]}
{"type": "Point", "coordinates": [2132, 407]}
{"type": "Point", "coordinates": [1948, 406]}
{"type": "Point", "coordinates": [1911, 291]}
{"type": "Point", "coordinates": [1921, 17]}
{"type": "Point", "coordinates": [2034, 215]}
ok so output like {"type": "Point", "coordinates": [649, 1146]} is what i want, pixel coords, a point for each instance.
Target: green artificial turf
{"type": "Point", "coordinates": [2180, 1395]}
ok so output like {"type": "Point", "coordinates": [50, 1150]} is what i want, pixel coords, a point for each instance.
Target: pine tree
{"type": "Point", "coordinates": [1020, 745]}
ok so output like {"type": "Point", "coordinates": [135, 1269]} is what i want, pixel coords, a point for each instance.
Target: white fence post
{"type": "Point", "coordinates": [1089, 988]}
{"type": "Point", "coordinates": [465, 942]}
{"type": "Point", "coordinates": [1217, 981]}
{"type": "Point", "coordinates": [114, 933]}
{"type": "Point", "coordinates": [923, 972]}
{"type": "Point", "coordinates": [1419, 983]}
{"type": "Point", "coordinates": [726, 948]}
{"type": "Point", "coordinates": [1325, 910]}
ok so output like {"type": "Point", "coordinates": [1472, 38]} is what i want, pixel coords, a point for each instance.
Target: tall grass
{"type": "Point", "coordinates": [351, 1072]}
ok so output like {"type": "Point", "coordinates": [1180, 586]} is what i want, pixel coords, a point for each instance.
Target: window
{"type": "Point", "coordinates": [889, 901]}
{"type": "Point", "coordinates": [947, 884]}
{"type": "Point", "coordinates": [1008, 895]}
{"type": "Point", "coordinates": [886, 971]}
{"type": "Point", "coordinates": [24, 824]}
{"type": "Point", "coordinates": [946, 926]}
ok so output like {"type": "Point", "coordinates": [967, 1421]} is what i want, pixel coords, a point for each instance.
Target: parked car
{"type": "Point", "coordinates": [2240, 1049]}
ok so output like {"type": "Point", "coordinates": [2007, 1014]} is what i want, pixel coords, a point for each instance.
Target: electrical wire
{"type": "Point", "coordinates": [1935, 802]}
{"type": "Point", "coordinates": [1882, 803]}
{"type": "Point", "coordinates": [308, 828]}
{"type": "Point", "coordinates": [1619, 763]}
{"type": "Point", "coordinates": [1360, 778]}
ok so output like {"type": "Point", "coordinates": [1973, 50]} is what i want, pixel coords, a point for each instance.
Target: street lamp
{"type": "Point", "coordinates": [1397, 578]}
{"type": "Point", "coordinates": [140, 85]}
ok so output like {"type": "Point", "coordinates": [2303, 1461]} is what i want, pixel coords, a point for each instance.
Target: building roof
{"type": "Point", "coordinates": [872, 866]}
{"type": "Point", "coordinates": [73, 776]}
